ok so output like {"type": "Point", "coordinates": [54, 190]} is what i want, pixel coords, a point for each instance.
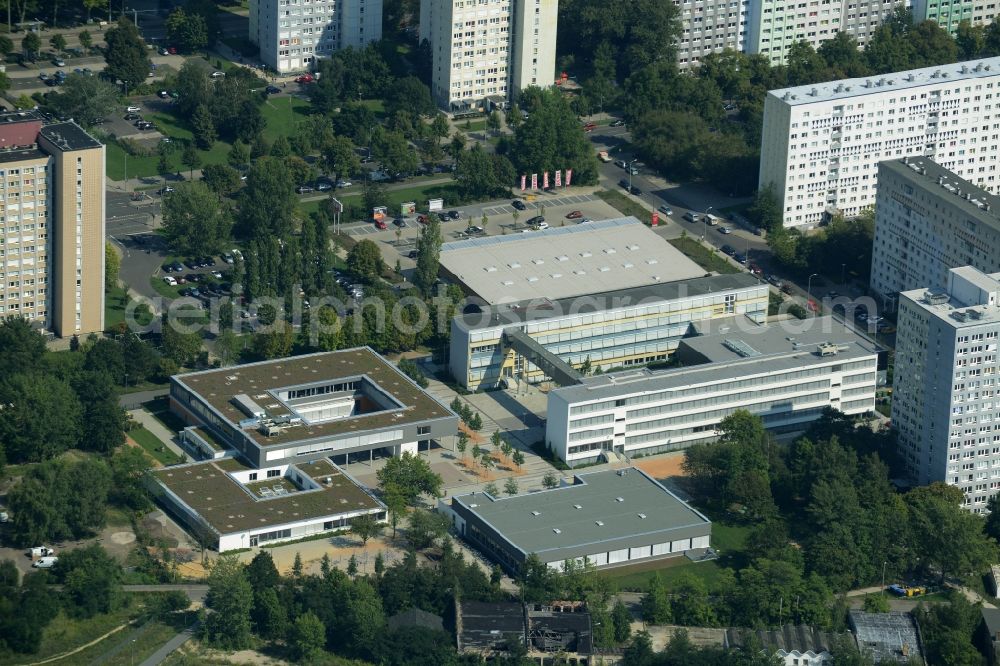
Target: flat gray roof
{"type": "Point", "coordinates": [629, 503]}
{"type": "Point", "coordinates": [897, 81]}
{"type": "Point", "coordinates": [740, 352]}
{"type": "Point", "coordinates": [971, 199]}
{"type": "Point", "coordinates": [562, 262]}
{"type": "Point", "coordinates": [945, 305]}
{"type": "Point", "coordinates": [543, 308]}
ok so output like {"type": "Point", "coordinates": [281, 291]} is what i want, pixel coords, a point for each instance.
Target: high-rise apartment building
{"type": "Point", "coordinates": [928, 221]}
{"type": "Point", "coordinates": [291, 34]}
{"type": "Point", "coordinates": [950, 13]}
{"type": "Point", "coordinates": [51, 224]}
{"type": "Point", "coordinates": [488, 49]}
{"type": "Point", "coordinates": [710, 26]}
{"type": "Point", "coordinates": [822, 144]}
{"type": "Point", "coordinates": [944, 405]}
{"type": "Point", "coordinates": [774, 25]}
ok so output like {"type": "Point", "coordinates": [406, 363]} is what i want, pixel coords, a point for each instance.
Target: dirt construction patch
{"type": "Point", "coordinates": [663, 467]}
{"type": "Point", "coordinates": [123, 538]}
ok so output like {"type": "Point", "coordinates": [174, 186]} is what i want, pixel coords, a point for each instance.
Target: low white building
{"type": "Point", "coordinates": [228, 505]}
{"type": "Point", "coordinates": [786, 373]}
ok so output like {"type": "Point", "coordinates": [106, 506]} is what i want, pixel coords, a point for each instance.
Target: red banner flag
{"type": "Point", "coordinates": [524, 179]}
{"type": "Point", "coordinates": [558, 178]}
{"type": "Point", "coordinates": [569, 176]}
{"type": "Point", "coordinates": [656, 218]}
{"type": "Point", "coordinates": [534, 181]}
{"type": "Point", "coordinates": [545, 180]}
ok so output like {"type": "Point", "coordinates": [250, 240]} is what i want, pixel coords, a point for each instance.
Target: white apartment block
{"type": "Point", "coordinates": [822, 143]}
{"type": "Point", "coordinates": [710, 26]}
{"type": "Point", "coordinates": [787, 377]}
{"type": "Point", "coordinates": [945, 406]}
{"type": "Point", "coordinates": [928, 221]}
{"type": "Point", "coordinates": [488, 48]}
{"type": "Point", "coordinates": [291, 34]}
{"type": "Point", "coordinates": [950, 13]}
{"type": "Point", "coordinates": [774, 25]}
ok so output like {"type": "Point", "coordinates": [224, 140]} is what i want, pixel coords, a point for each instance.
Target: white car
{"type": "Point", "coordinates": [725, 230]}
{"type": "Point", "coordinates": [542, 225]}
{"type": "Point", "coordinates": [218, 75]}
{"type": "Point", "coordinates": [170, 280]}
{"type": "Point", "coordinates": [45, 563]}
{"type": "Point", "coordinates": [133, 109]}
{"type": "Point", "coordinates": [343, 183]}
{"type": "Point", "coordinates": [217, 275]}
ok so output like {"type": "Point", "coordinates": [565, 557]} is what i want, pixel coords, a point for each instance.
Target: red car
{"type": "Point", "coordinates": [422, 219]}
{"type": "Point", "coordinates": [172, 50]}
{"type": "Point", "coordinates": [589, 127]}
{"type": "Point", "coordinates": [575, 215]}
{"type": "Point", "coordinates": [380, 224]}
{"type": "Point", "coordinates": [305, 78]}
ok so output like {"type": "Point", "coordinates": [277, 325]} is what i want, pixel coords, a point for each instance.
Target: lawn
{"type": "Point", "coordinates": [64, 634]}
{"type": "Point", "coordinates": [114, 307]}
{"type": "Point", "coordinates": [282, 113]}
{"type": "Point", "coordinates": [153, 446]}
{"type": "Point", "coordinates": [624, 205]}
{"type": "Point", "coordinates": [702, 256]}
{"type": "Point", "coordinates": [128, 647]}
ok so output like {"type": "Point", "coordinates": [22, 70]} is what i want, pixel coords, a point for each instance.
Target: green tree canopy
{"type": "Point", "coordinates": [551, 139]}
{"type": "Point", "coordinates": [195, 221]}
{"type": "Point", "coordinates": [126, 54]}
{"type": "Point", "coordinates": [86, 99]}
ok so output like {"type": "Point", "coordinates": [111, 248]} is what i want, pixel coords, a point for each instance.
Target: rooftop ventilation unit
{"type": "Point", "coordinates": [740, 348]}
{"type": "Point", "coordinates": [536, 513]}
{"type": "Point", "coordinates": [935, 299]}
{"type": "Point", "coordinates": [557, 530]}
{"type": "Point", "coordinates": [577, 506]}
{"type": "Point", "coordinates": [619, 499]}
{"type": "Point", "coordinates": [827, 349]}
{"type": "Point", "coordinates": [642, 516]}
{"type": "Point", "coordinates": [599, 523]}
{"type": "Point", "coordinates": [959, 315]}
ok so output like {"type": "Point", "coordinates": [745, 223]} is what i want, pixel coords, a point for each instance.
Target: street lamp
{"type": "Point", "coordinates": [629, 167]}
{"type": "Point", "coordinates": [809, 289]}
{"type": "Point", "coordinates": [843, 274]}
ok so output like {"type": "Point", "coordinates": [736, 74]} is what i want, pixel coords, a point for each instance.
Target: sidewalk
{"type": "Point", "coordinates": [162, 433]}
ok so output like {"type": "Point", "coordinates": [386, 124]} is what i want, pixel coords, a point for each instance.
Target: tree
{"type": "Point", "coordinates": [59, 500]}
{"type": "Point", "coordinates": [58, 42]}
{"type": "Point", "coordinates": [340, 158]}
{"type": "Point", "coordinates": [191, 159]}
{"type": "Point", "coordinates": [308, 637]}
{"type": "Point", "coordinates": [551, 139]}
{"type": "Point", "coordinates": [765, 209]}
{"type": "Point", "coordinates": [222, 179]}
{"type": "Point", "coordinates": [539, 583]}
{"type": "Point", "coordinates": [30, 45]}
{"type": "Point", "coordinates": [86, 41]}
{"type": "Point", "coordinates": [876, 603]}
{"type": "Point", "coordinates": [482, 175]}
{"type": "Point", "coordinates": [267, 201]}
{"type": "Point", "coordinates": [439, 126]}
{"type": "Point", "coordinates": [126, 54]}
{"type": "Point", "coordinates": [410, 475]}
{"type": "Point", "coordinates": [203, 127]}
{"type": "Point", "coordinates": [128, 467]}
{"type": "Point", "coordinates": [493, 122]}
{"type": "Point", "coordinates": [428, 255]}
{"type": "Point", "coordinates": [409, 95]}
{"type": "Point", "coordinates": [510, 486]}
{"type": "Point", "coordinates": [239, 155]}
{"type": "Point", "coordinates": [188, 31]}
{"type": "Point", "coordinates": [393, 150]}
{"type": "Point", "coordinates": [425, 527]}
{"type": "Point", "coordinates": [112, 265]}
{"type": "Point", "coordinates": [91, 580]}
{"type": "Point", "coordinates": [951, 539]}
{"type": "Point", "coordinates": [102, 417]}
{"type": "Point", "coordinates": [6, 46]}
{"type": "Point", "coordinates": [491, 489]}
{"type": "Point", "coordinates": [550, 481]}
{"type": "Point", "coordinates": [179, 346]}
{"type": "Point", "coordinates": [518, 459]}
{"type": "Point", "coordinates": [456, 145]}
{"type": "Point", "coordinates": [655, 606]}
{"type": "Point", "coordinates": [365, 261]}
{"type": "Point", "coordinates": [365, 527]}
{"type": "Point", "coordinates": [41, 417]}
{"type": "Point", "coordinates": [621, 619]}
{"type": "Point", "coordinates": [231, 597]}
{"type": "Point", "coordinates": [462, 444]}
{"type": "Point", "coordinates": [195, 221]}
{"type": "Point", "coordinates": [86, 99]}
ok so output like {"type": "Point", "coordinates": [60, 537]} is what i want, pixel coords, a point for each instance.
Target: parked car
{"type": "Point", "coordinates": [305, 78]}
{"type": "Point", "coordinates": [163, 94]}
{"type": "Point", "coordinates": [728, 249]}
{"type": "Point", "coordinates": [380, 224]}
{"type": "Point", "coordinates": [574, 215]}
{"type": "Point", "coordinates": [45, 563]}
{"type": "Point", "coordinates": [324, 185]}
{"type": "Point", "coordinates": [217, 74]}
{"type": "Point", "coordinates": [518, 204]}
{"type": "Point", "coordinates": [589, 127]}
{"type": "Point", "coordinates": [304, 189]}
{"type": "Point", "coordinates": [217, 275]}
{"type": "Point", "coordinates": [272, 90]}
{"type": "Point", "coordinates": [412, 254]}
{"type": "Point", "coordinates": [343, 183]}
{"type": "Point", "coordinates": [454, 215]}
{"type": "Point", "coordinates": [690, 216]}
{"type": "Point", "coordinates": [621, 163]}
{"type": "Point", "coordinates": [618, 123]}
{"type": "Point", "coordinates": [132, 116]}
{"type": "Point", "coordinates": [725, 230]}
{"type": "Point", "coordinates": [535, 221]}
{"type": "Point", "coordinates": [169, 279]}
{"type": "Point", "coordinates": [422, 219]}
{"type": "Point", "coordinates": [542, 225]}
{"type": "Point", "coordinates": [399, 222]}
{"type": "Point", "coordinates": [166, 189]}
{"type": "Point", "coordinates": [635, 190]}
{"type": "Point", "coordinates": [59, 62]}
{"type": "Point", "coordinates": [228, 258]}
{"type": "Point", "coordinates": [133, 109]}
{"type": "Point", "coordinates": [742, 258]}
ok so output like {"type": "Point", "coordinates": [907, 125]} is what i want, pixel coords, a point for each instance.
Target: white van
{"type": "Point", "coordinates": [711, 220]}
{"type": "Point", "coordinates": [45, 563]}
